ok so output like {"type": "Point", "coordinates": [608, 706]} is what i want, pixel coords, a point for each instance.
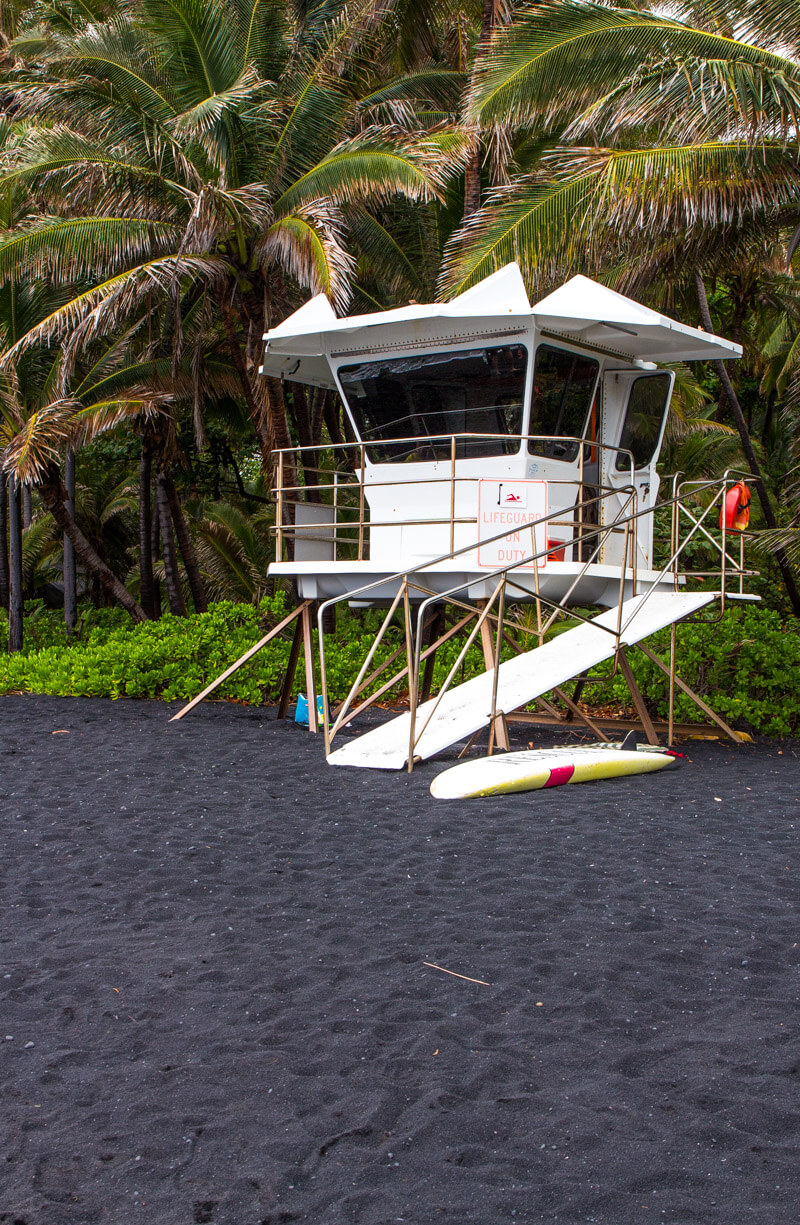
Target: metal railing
{"type": "Point", "coordinates": [694, 510]}
{"type": "Point", "coordinates": [349, 523]}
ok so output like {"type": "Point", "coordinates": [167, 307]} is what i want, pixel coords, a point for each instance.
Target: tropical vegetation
{"type": "Point", "coordinates": [178, 175]}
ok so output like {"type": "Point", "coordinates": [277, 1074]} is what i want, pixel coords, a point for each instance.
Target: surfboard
{"type": "Point", "coordinates": [533, 769]}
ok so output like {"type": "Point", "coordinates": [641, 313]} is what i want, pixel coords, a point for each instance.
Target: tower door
{"type": "Point", "coordinates": [634, 415]}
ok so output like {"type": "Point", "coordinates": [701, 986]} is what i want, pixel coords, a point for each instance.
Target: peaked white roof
{"type": "Point", "coordinates": [590, 313]}
{"type": "Point", "coordinates": [581, 311]}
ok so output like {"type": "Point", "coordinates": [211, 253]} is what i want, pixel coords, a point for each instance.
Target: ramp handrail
{"type": "Point", "coordinates": [503, 573]}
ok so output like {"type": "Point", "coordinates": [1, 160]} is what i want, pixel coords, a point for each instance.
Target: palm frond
{"type": "Point", "coordinates": [38, 442]}
{"type": "Point", "coordinates": [376, 166]}
{"type": "Point", "coordinates": [89, 314]}
{"type": "Point", "coordinates": [588, 206]}
{"type": "Point", "coordinates": [200, 35]}
{"type": "Point", "coordinates": [420, 99]}
{"type": "Point", "coordinates": [77, 248]}
{"type": "Point", "coordinates": [532, 222]}
{"type": "Point", "coordinates": [699, 99]}
{"type": "Point", "coordinates": [101, 416]}
{"type": "Point", "coordinates": [62, 158]}
{"type": "Point", "coordinates": [117, 52]}
{"type": "Point", "coordinates": [309, 243]}
{"type": "Point", "coordinates": [202, 118]}
{"type": "Point", "coordinates": [558, 57]}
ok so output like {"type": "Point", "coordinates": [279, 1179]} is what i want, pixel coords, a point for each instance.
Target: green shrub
{"type": "Point", "coordinates": [747, 665]}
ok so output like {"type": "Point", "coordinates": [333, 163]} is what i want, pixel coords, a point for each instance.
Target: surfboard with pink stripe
{"type": "Point", "coordinates": [535, 769]}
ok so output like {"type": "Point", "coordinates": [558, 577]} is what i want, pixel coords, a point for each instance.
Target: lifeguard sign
{"type": "Point", "coordinates": [507, 505]}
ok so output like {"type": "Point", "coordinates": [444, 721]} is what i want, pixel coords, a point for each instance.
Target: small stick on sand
{"type": "Point", "coordinates": [466, 977]}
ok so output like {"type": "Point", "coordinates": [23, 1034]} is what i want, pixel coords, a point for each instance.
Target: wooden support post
{"type": "Point", "coordinates": [498, 730]}
{"type": "Point", "coordinates": [690, 693]}
{"type": "Point", "coordinates": [574, 709]}
{"type": "Point", "coordinates": [433, 631]}
{"type": "Point", "coordinates": [291, 669]}
{"type": "Point", "coordinates": [262, 642]}
{"type": "Point", "coordinates": [580, 685]}
{"type": "Point", "coordinates": [638, 700]}
{"type": "Point", "coordinates": [311, 684]}
{"type": "Point", "coordinates": [470, 743]}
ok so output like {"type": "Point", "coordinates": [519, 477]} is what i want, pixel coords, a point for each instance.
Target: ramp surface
{"type": "Point", "coordinates": [466, 708]}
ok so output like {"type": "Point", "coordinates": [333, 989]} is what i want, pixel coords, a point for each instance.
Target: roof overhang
{"type": "Point", "coordinates": [582, 312]}
{"type": "Point", "coordinates": [590, 314]}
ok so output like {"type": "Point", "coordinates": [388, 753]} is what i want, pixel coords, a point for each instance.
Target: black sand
{"type": "Point", "coordinates": [214, 1005]}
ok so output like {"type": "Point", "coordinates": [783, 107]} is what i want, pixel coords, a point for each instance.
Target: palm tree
{"type": "Point", "coordinates": [642, 142]}
{"type": "Point", "coordinates": [234, 549]}
{"type": "Point", "coordinates": [202, 155]}
{"type": "Point", "coordinates": [627, 126]}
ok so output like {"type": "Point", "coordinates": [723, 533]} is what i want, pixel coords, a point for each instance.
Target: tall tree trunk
{"type": "Point", "coordinates": [240, 364]}
{"type": "Point", "coordinates": [54, 496]}
{"type": "Point", "coordinates": [70, 577]}
{"type": "Point", "coordinates": [196, 585]}
{"type": "Point", "coordinates": [147, 580]}
{"type": "Point", "coordinates": [27, 506]}
{"type": "Point", "coordinates": [747, 446]}
{"type": "Point", "coordinates": [155, 541]}
{"type": "Point", "coordinates": [15, 602]}
{"type": "Point", "coordinates": [278, 415]}
{"type": "Point", "coordinates": [472, 171]}
{"type": "Point", "coordinates": [171, 572]}
{"type": "Point", "coordinates": [302, 420]}
{"type": "Point", "coordinates": [319, 397]}
{"type": "Point", "coordinates": [472, 179]}
{"type": "Point", "coordinates": [4, 588]}
{"type": "Point", "coordinates": [330, 413]}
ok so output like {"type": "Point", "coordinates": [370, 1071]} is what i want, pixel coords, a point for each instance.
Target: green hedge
{"type": "Point", "coordinates": [748, 665]}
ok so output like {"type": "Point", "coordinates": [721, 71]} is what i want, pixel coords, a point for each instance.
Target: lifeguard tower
{"type": "Point", "coordinates": [500, 454]}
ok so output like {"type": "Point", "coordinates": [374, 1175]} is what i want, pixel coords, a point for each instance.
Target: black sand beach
{"type": "Point", "coordinates": [214, 1003]}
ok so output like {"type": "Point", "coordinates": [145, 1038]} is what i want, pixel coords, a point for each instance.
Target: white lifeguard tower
{"type": "Point", "coordinates": [499, 453]}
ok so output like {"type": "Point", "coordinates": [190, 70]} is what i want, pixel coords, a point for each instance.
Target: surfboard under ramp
{"type": "Point", "coordinates": [467, 708]}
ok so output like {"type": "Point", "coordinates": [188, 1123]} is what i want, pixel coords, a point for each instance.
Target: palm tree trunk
{"type": "Point", "coordinates": [4, 590]}
{"type": "Point", "coordinates": [171, 572]}
{"type": "Point", "coordinates": [318, 398]}
{"type": "Point", "coordinates": [472, 180]}
{"type": "Point", "coordinates": [240, 364]}
{"type": "Point", "coordinates": [302, 420]}
{"type": "Point", "coordinates": [747, 446]}
{"type": "Point", "coordinates": [155, 541]}
{"type": "Point", "coordinates": [70, 578]}
{"type": "Point", "coordinates": [15, 603]}
{"type": "Point", "coordinates": [196, 585]}
{"type": "Point", "coordinates": [472, 172]}
{"type": "Point", "coordinates": [146, 577]}
{"type": "Point", "coordinates": [27, 507]}
{"type": "Point", "coordinates": [54, 496]}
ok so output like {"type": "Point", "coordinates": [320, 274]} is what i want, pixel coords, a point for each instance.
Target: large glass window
{"type": "Point", "coordinates": [563, 385]}
{"type": "Point", "coordinates": [647, 406]}
{"type": "Point", "coordinates": [477, 391]}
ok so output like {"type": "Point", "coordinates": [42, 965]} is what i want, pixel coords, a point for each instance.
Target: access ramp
{"type": "Point", "coordinates": [465, 709]}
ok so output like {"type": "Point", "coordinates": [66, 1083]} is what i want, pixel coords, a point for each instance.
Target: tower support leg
{"type": "Point", "coordinates": [690, 693]}
{"type": "Point", "coordinates": [638, 700]}
{"type": "Point", "coordinates": [301, 610]}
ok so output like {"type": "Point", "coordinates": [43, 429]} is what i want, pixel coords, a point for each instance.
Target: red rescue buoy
{"type": "Point", "coordinates": [735, 512]}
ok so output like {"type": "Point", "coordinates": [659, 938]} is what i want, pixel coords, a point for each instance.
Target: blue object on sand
{"type": "Point", "coordinates": [301, 709]}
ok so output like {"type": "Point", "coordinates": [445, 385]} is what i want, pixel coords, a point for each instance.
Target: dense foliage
{"type": "Point", "coordinates": [748, 665]}
{"type": "Point", "coordinates": [178, 175]}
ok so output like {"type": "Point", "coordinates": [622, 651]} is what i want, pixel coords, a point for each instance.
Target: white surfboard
{"type": "Point", "coordinates": [533, 769]}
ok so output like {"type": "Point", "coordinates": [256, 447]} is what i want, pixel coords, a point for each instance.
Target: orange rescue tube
{"type": "Point", "coordinates": [735, 513]}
